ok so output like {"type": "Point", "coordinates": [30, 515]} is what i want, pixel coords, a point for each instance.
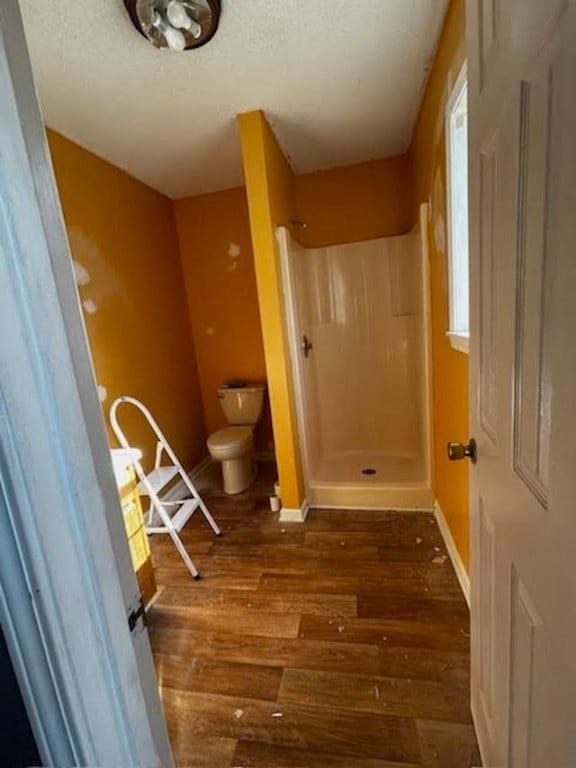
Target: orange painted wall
{"type": "Point", "coordinates": [271, 202]}
{"type": "Point", "coordinates": [450, 368]}
{"type": "Point", "coordinates": [123, 233]}
{"type": "Point", "coordinates": [355, 202]}
{"type": "Point", "coordinates": [222, 297]}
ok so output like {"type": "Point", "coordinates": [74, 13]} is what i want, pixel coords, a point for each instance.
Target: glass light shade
{"type": "Point", "coordinates": [177, 15]}
{"type": "Point", "coordinates": [176, 24]}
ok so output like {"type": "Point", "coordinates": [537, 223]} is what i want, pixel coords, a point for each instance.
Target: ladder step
{"type": "Point", "coordinates": [179, 519]}
{"type": "Point", "coordinates": [184, 514]}
{"type": "Point", "coordinates": [158, 478]}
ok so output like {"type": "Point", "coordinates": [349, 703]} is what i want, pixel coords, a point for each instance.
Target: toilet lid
{"type": "Point", "coordinates": [231, 436]}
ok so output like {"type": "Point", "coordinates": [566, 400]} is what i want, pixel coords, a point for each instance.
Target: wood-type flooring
{"type": "Point", "coordinates": [342, 642]}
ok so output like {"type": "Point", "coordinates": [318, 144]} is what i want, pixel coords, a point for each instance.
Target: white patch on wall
{"type": "Point", "coordinates": [210, 331]}
{"type": "Point", "coordinates": [90, 306]}
{"type": "Point", "coordinates": [104, 282]}
{"type": "Point", "coordinates": [234, 253]}
{"type": "Point", "coordinates": [102, 393]}
{"type": "Point", "coordinates": [81, 273]}
{"type": "Point", "coordinates": [440, 233]}
{"type": "Point", "coordinates": [439, 224]}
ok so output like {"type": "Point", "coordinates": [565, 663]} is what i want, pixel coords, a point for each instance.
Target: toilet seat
{"type": "Point", "coordinates": [230, 442]}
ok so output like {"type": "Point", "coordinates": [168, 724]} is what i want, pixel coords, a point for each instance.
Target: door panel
{"type": "Point", "coordinates": [522, 91]}
{"type": "Point", "coordinates": [489, 24]}
{"type": "Point", "coordinates": [486, 610]}
{"type": "Point", "coordinates": [532, 406]}
{"type": "Point", "coordinates": [488, 296]}
{"type": "Point", "coordinates": [524, 626]}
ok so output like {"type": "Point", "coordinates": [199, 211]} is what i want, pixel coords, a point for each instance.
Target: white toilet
{"type": "Point", "coordinates": [232, 446]}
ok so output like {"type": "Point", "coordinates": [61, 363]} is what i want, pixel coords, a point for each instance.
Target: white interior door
{"type": "Point", "coordinates": [66, 581]}
{"type": "Point", "coordinates": [522, 92]}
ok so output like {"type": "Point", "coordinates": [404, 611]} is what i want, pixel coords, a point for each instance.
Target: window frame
{"type": "Point", "coordinates": [459, 340]}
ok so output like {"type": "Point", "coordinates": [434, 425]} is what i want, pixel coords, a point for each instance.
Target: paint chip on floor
{"type": "Point", "coordinates": [238, 714]}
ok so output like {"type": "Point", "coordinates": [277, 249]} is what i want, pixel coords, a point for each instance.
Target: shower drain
{"type": "Point", "coordinates": [368, 471]}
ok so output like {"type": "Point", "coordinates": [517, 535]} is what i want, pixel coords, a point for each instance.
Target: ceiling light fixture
{"type": "Point", "coordinates": [176, 25]}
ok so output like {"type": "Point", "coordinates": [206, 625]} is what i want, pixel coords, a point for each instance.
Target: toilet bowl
{"type": "Point", "coordinates": [232, 446]}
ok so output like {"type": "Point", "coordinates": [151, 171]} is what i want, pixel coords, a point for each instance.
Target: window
{"type": "Point", "coordinates": [457, 199]}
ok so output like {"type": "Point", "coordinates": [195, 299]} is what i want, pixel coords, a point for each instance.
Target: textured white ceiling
{"type": "Point", "coordinates": [340, 81]}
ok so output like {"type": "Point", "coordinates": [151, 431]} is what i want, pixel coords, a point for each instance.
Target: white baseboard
{"type": "Point", "coordinates": [358, 508]}
{"type": "Point", "coordinates": [293, 515]}
{"type": "Point", "coordinates": [194, 474]}
{"type": "Point", "coordinates": [461, 571]}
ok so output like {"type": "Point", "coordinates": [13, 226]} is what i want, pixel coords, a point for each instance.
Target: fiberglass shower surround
{"type": "Point", "coordinates": [362, 389]}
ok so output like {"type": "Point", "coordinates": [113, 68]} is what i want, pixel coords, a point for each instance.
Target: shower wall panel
{"type": "Point", "coordinates": [361, 305]}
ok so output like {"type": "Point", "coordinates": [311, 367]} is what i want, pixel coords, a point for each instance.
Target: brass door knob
{"type": "Point", "coordinates": [457, 451]}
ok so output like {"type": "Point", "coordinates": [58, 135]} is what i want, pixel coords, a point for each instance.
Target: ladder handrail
{"type": "Point", "coordinates": [141, 407]}
{"type": "Point", "coordinates": [152, 422]}
{"type": "Point", "coordinates": [122, 439]}
{"type": "Point", "coordinates": [155, 502]}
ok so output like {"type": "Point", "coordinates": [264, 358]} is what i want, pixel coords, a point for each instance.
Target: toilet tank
{"type": "Point", "coordinates": [242, 405]}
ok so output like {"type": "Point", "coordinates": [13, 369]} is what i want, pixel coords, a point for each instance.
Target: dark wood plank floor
{"type": "Point", "coordinates": [340, 643]}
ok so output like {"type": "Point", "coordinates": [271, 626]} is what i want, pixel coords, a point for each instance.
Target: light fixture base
{"type": "Point", "coordinates": [149, 17]}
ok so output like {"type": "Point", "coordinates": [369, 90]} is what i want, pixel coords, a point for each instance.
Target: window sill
{"type": "Point", "coordinates": [459, 341]}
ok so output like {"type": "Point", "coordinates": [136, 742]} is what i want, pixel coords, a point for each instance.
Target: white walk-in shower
{"type": "Point", "coordinates": [358, 324]}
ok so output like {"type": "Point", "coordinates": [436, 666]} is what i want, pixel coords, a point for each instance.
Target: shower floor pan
{"type": "Point", "coordinates": [370, 479]}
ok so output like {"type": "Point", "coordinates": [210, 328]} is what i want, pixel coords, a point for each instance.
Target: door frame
{"type": "Point", "coordinates": [66, 580]}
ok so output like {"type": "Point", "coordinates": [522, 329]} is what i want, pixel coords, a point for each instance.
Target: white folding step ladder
{"type": "Point", "coordinates": [163, 516]}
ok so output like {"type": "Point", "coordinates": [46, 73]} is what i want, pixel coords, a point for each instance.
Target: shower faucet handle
{"type": "Point", "coordinates": [306, 345]}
